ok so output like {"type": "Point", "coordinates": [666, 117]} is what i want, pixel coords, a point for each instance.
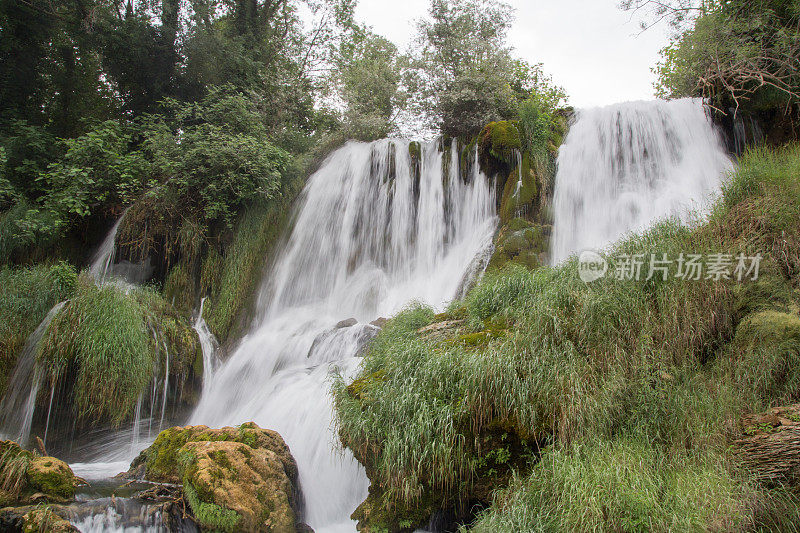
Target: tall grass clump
{"type": "Point", "coordinates": [101, 336]}
{"type": "Point", "coordinates": [234, 283]}
{"type": "Point", "coordinates": [627, 485]}
{"type": "Point", "coordinates": [632, 387]}
{"type": "Point", "coordinates": [104, 347]}
{"type": "Point", "coordinates": [26, 295]}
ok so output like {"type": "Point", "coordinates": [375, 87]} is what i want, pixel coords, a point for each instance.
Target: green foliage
{"type": "Point", "coordinates": [255, 242]}
{"type": "Point", "coordinates": [462, 71]}
{"type": "Point", "coordinates": [101, 331]}
{"type": "Point", "coordinates": [615, 373]}
{"type": "Point", "coordinates": [622, 485]}
{"type": "Point", "coordinates": [26, 295]}
{"type": "Point", "coordinates": [105, 344]}
{"type": "Point", "coordinates": [367, 74]}
{"type": "Point", "coordinates": [736, 54]}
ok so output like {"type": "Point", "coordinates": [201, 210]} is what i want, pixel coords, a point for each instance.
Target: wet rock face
{"type": "Point", "coordinates": [234, 479]}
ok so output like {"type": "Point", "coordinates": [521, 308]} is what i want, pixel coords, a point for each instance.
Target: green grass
{"type": "Point", "coordinates": [630, 485]}
{"type": "Point", "coordinates": [651, 373]}
{"type": "Point", "coordinates": [26, 295]}
{"type": "Point", "coordinates": [233, 284]}
{"type": "Point", "coordinates": [105, 344]}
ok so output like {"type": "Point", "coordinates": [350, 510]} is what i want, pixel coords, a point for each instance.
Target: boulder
{"type": "Point", "coordinates": [27, 478]}
{"type": "Point", "coordinates": [379, 322]}
{"type": "Point", "coordinates": [234, 479]}
{"type": "Point", "coordinates": [350, 322]}
{"type": "Point", "coordinates": [36, 519]}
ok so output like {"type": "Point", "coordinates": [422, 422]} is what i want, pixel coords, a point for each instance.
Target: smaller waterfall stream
{"type": "Point", "coordinates": [624, 166]}
{"type": "Point", "coordinates": [209, 346]}
{"type": "Point", "coordinates": [19, 402]}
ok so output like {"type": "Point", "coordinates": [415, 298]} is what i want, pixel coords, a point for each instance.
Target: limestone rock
{"type": "Point", "coordinates": [234, 479]}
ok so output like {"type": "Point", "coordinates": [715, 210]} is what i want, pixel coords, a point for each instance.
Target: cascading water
{"type": "Point", "coordinates": [208, 344]}
{"type": "Point", "coordinates": [624, 166]}
{"type": "Point", "coordinates": [373, 232]}
{"type": "Point", "coordinates": [19, 402]}
{"type": "Point", "coordinates": [102, 264]}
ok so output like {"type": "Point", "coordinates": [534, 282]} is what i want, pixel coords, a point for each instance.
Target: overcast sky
{"type": "Point", "coordinates": [590, 47]}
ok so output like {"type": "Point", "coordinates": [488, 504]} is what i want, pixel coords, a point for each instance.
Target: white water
{"type": "Point", "coordinates": [102, 265]}
{"type": "Point", "coordinates": [209, 346]}
{"type": "Point", "coordinates": [363, 245]}
{"type": "Point", "coordinates": [624, 166]}
{"type": "Point", "coordinates": [19, 402]}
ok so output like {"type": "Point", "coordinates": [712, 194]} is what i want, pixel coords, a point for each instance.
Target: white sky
{"type": "Point", "coordinates": [591, 48]}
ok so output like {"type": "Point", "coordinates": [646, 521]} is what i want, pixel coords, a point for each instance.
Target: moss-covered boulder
{"type": "Point", "coordinates": [27, 478]}
{"type": "Point", "coordinates": [43, 519]}
{"type": "Point", "coordinates": [234, 479]}
{"type": "Point", "coordinates": [521, 242]}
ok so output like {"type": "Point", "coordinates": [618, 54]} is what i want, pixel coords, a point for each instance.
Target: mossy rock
{"type": "Point", "coordinates": [52, 477]}
{"type": "Point", "coordinates": [359, 388]}
{"type": "Point", "coordinates": [41, 520]}
{"type": "Point", "coordinates": [234, 479]}
{"type": "Point", "coordinates": [238, 488]}
{"type": "Point", "coordinates": [26, 477]}
{"type": "Point", "coordinates": [520, 195]}
{"type": "Point", "coordinates": [521, 242]}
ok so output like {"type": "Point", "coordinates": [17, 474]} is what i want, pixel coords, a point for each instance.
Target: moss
{"type": "Point", "coordinates": [23, 474]}
{"type": "Point", "coordinates": [415, 150]}
{"type": "Point", "coordinates": [520, 242]}
{"type": "Point", "coordinates": [210, 515]}
{"type": "Point", "coordinates": [359, 388]}
{"type": "Point", "coordinates": [520, 195]}
{"type": "Point", "coordinates": [44, 520]}
{"type": "Point", "coordinates": [500, 139]}
{"type": "Point", "coordinates": [52, 477]}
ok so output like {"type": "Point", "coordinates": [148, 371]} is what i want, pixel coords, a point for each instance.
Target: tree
{"type": "Point", "coordinates": [463, 74]}
{"type": "Point", "coordinates": [734, 53]}
{"type": "Point", "coordinates": [366, 76]}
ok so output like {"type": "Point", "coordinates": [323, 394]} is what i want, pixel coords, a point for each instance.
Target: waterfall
{"type": "Point", "coordinates": [374, 230]}
{"type": "Point", "coordinates": [624, 166]}
{"type": "Point", "coordinates": [102, 264]}
{"type": "Point", "coordinates": [208, 344]}
{"type": "Point", "coordinates": [19, 402]}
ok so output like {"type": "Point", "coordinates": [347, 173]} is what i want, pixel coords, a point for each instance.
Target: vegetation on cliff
{"type": "Point", "coordinates": [588, 381]}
